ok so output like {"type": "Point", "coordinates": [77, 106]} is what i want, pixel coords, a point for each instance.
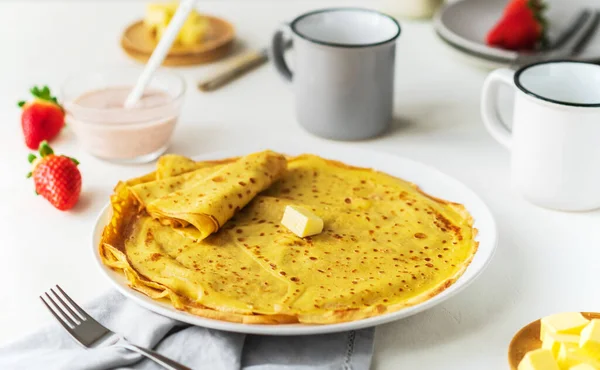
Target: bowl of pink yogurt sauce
{"type": "Point", "coordinates": [94, 107]}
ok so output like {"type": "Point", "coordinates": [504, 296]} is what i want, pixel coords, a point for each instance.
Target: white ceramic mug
{"type": "Point", "coordinates": [555, 136]}
{"type": "Point", "coordinates": [343, 74]}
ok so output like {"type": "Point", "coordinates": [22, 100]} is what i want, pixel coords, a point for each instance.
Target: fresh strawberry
{"type": "Point", "coordinates": [513, 6]}
{"type": "Point", "coordinates": [522, 26]}
{"type": "Point", "coordinates": [42, 118]}
{"type": "Point", "coordinates": [56, 177]}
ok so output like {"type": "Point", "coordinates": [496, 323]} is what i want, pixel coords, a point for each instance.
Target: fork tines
{"type": "Point", "coordinates": [68, 314]}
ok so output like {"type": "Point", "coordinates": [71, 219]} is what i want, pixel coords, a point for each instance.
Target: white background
{"type": "Point", "coordinates": [546, 261]}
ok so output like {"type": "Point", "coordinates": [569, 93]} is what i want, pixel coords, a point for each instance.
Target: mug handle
{"type": "Point", "coordinates": [277, 52]}
{"type": "Point", "coordinates": [489, 98]}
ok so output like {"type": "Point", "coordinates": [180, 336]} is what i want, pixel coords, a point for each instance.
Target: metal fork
{"type": "Point", "coordinates": [90, 333]}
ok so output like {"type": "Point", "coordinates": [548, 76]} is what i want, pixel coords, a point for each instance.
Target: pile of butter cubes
{"type": "Point", "coordinates": [569, 342]}
{"type": "Point", "coordinates": [159, 15]}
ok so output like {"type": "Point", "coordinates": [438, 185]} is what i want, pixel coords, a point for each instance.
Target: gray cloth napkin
{"type": "Point", "coordinates": [199, 348]}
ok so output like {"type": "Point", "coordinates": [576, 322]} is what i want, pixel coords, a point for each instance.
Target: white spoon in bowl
{"type": "Point", "coordinates": [160, 52]}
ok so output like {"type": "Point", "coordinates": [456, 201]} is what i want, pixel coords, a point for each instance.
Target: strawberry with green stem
{"type": "Point", "coordinates": [56, 177]}
{"type": "Point", "coordinates": [41, 118]}
{"type": "Point", "coordinates": [522, 26]}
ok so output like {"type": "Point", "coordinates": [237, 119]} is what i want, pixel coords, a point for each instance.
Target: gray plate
{"type": "Point", "coordinates": [464, 25]}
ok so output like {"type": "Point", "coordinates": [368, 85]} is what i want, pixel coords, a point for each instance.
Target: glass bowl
{"type": "Point", "coordinates": [94, 110]}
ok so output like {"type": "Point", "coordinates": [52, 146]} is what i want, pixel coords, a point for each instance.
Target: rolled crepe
{"type": "Point", "coordinates": [170, 165]}
{"type": "Point", "coordinates": [214, 200]}
{"type": "Point", "coordinates": [148, 192]}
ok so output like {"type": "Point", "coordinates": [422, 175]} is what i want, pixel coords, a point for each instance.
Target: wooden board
{"type": "Point", "coordinates": [184, 60]}
{"type": "Point", "coordinates": [138, 42]}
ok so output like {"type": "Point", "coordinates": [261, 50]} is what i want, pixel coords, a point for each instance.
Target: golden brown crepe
{"type": "Point", "coordinates": [385, 246]}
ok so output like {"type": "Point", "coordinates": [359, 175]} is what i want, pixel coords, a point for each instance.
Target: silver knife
{"type": "Point", "coordinates": [567, 47]}
{"type": "Point", "coordinates": [236, 68]}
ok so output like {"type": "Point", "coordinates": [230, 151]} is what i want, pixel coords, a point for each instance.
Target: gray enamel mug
{"type": "Point", "coordinates": [343, 71]}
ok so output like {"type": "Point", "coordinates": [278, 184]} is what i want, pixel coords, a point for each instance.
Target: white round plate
{"type": "Point", "coordinates": [465, 23]}
{"type": "Point", "coordinates": [429, 179]}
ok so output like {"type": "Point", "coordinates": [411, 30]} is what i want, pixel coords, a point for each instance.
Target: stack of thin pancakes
{"type": "Point", "coordinates": [207, 237]}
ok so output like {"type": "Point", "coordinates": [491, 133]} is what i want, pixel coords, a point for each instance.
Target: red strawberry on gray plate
{"type": "Point", "coordinates": [522, 26]}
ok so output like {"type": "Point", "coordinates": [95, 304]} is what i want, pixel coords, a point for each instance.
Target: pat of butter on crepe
{"type": "Point", "coordinates": [301, 222]}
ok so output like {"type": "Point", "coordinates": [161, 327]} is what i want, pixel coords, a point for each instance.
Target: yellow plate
{"type": "Point", "coordinates": [139, 43]}
{"type": "Point", "coordinates": [528, 339]}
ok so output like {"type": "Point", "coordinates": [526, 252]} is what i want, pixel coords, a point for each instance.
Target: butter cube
{"type": "Point", "coordinates": [563, 323]}
{"type": "Point", "coordinates": [193, 30]}
{"type": "Point", "coordinates": [582, 367]}
{"type": "Point", "coordinates": [590, 337]}
{"type": "Point", "coordinates": [301, 222]}
{"type": "Point", "coordinates": [570, 355]}
{"type": "Point", "coordinates": [159, 15]}
{"type": "Point", "coordinates": [552, 341]}
{"type": "Point", "coordinates": [539, 359]}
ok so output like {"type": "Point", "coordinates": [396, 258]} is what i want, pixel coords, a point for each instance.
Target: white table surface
{"type": "Point", "coordinates": [546, 261]}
